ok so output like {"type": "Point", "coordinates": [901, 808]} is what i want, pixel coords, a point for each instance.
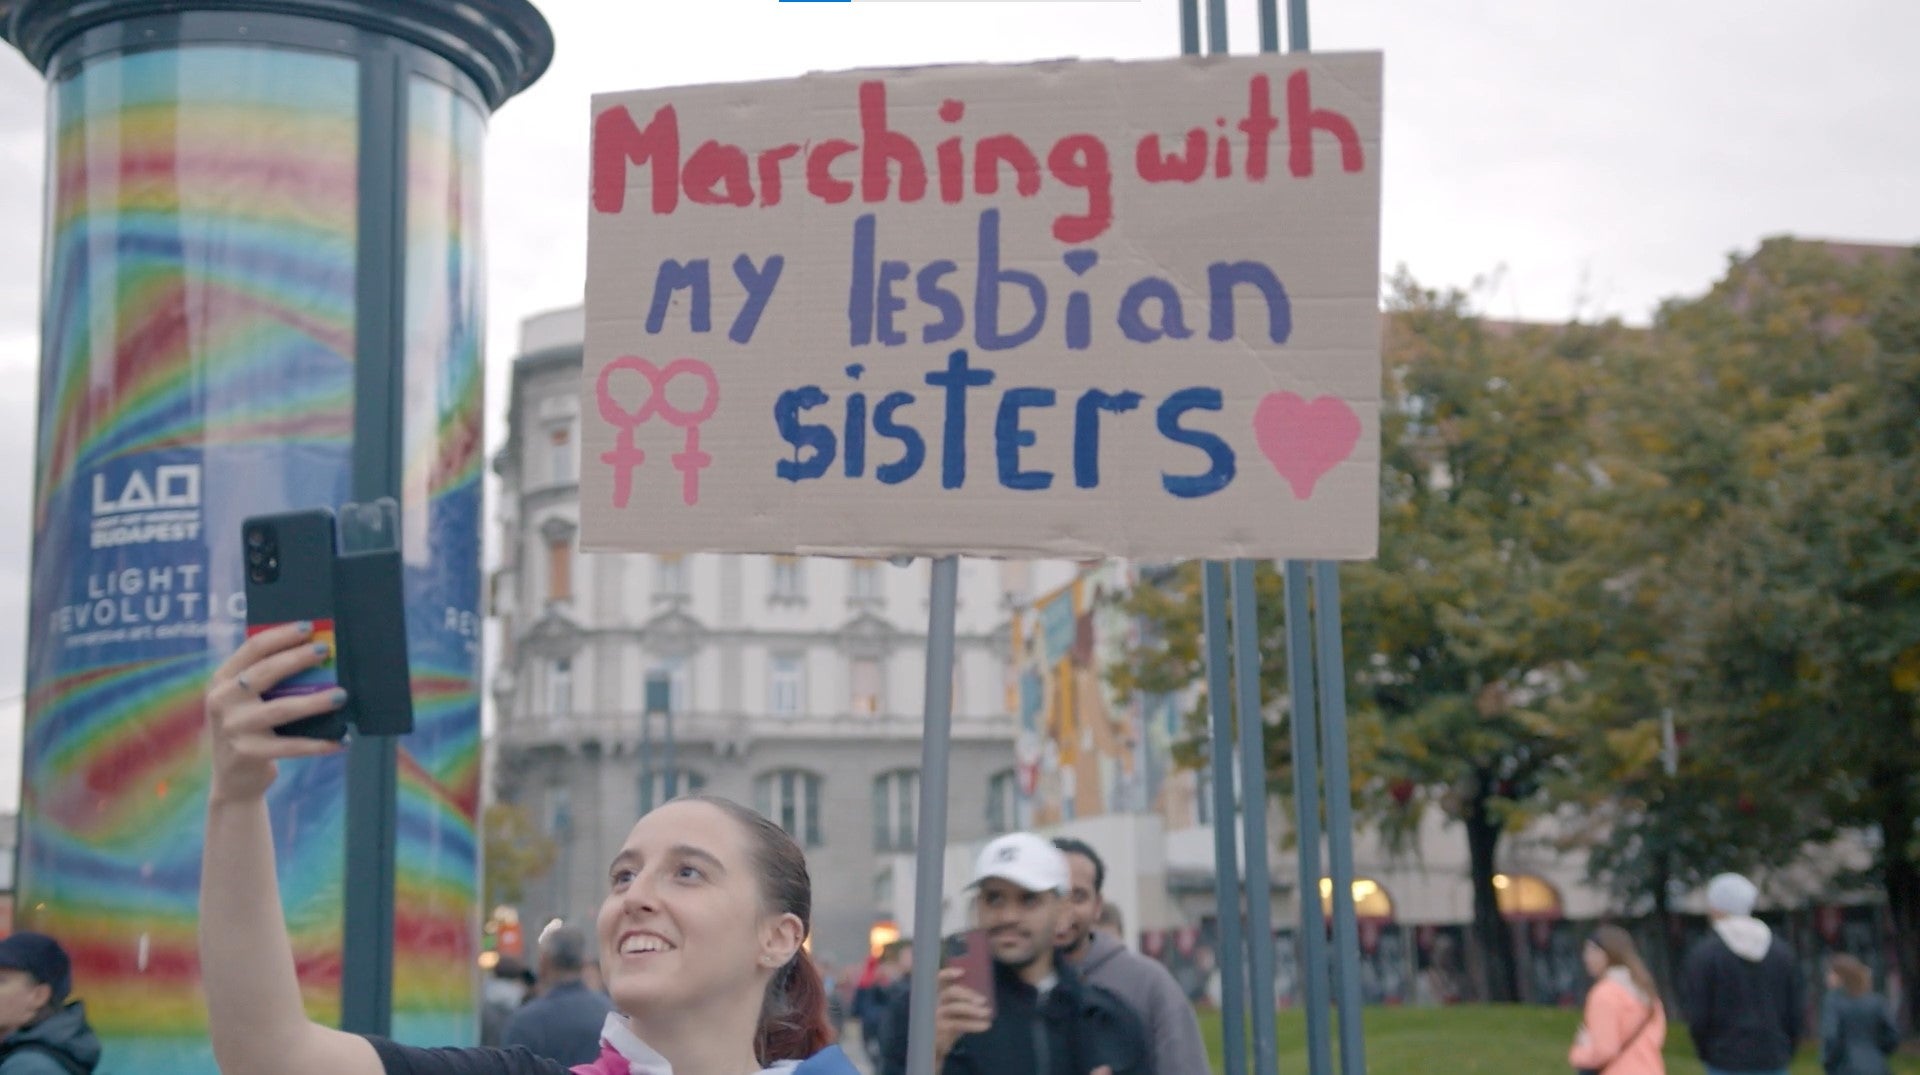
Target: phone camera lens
{"type": "Point", "coordinates": [256, 538]}
{"type": "Point", "coordinates": [256, 557]}
{"type": "Point", "coordinates": [257, 575]}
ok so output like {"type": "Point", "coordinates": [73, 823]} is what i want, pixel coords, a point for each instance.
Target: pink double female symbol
{"type": "Point", "coordinates": [625, 455]}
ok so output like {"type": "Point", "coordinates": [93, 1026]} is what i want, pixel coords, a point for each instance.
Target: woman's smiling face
{"type": "Point", "coordinates": [683, 922]}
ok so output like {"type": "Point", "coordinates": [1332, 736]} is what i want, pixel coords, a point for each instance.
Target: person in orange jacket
{"type": "Point", "coordinates": [1623, 1026]}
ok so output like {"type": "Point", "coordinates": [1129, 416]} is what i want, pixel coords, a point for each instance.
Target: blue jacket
{"type": "Point", "coordinates": [828, 1061]}
{"type": "Point", "coordinates": [1856, 1035]}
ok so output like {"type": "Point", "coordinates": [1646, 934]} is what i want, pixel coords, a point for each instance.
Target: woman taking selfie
{"type": "Point", "coordinates": [1623, 1027]}
{"type": "Point", "coordinates": [700, 934]}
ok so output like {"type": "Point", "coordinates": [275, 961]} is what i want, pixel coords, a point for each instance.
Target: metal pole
{"type": "Point", "coordinates": [1216, 26]}
{"type": "Point", "coordinates": [1339, 797]}
{"type": "Point", "coordinates": [1297, 40]}
{"type": "Point", "coordinates": [646, 753]}
{"type": "Point", "coordinates": [373, 765]}
{"type": "Point", "coordinates": [930, 846]}
{"type": "Point", "coordinates": [1226, 867]}
{"type": "Point", "coordinates": [1253, 803]}
{"type": "Point", "coordinates": [1190, 27]}
{"type": "Point", "coordinates": [1269, 26]}
{"type": "Point", "coordinates": [673, 776]}
{"type": "Point", "coordinates": [1306, 806]}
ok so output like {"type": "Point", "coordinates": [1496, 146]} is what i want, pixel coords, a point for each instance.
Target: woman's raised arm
{"type": "Point", "coordinates": [254, 1012]}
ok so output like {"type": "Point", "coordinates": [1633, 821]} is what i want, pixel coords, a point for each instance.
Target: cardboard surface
{"type": "Point", "coordinates": [1065, 309]}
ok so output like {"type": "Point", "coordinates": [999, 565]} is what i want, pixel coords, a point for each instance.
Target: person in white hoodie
{"type": "Point", "coordinates": [1741, 988]}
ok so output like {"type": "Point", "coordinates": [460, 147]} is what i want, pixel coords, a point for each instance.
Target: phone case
{"type": "Point", "coordinates": [973, 954]}
{"type": "Point", "coordinates": [290, 577]}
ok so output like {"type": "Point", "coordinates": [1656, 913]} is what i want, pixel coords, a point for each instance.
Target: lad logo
{"type": "Point", "coordinates": [147, 506]}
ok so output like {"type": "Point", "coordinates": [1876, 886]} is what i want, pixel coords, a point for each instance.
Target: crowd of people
{"type": "Point", "coordinates": [701, 966]}
{"type": "Point", "coordinates": [1743, 998]}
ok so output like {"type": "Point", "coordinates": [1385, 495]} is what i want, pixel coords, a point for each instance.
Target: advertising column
{"type": "Point", "coordinates": [204, 358]}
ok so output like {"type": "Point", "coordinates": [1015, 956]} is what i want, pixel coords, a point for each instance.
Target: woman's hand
{"type": "Point", "coordinates": [241, 725]}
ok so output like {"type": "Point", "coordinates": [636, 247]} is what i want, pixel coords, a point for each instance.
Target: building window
{"type": "Point", "coordinates": [896, 800]}
{"type": "Point", "coordinates": [654, 789]}
{"type": "Point", "coordinates": [1003, 802]}
{"type": "Point", "coordinates": [560, 688]}
{"type": "Point", "coordinates": [864, 676]}
{"type": "Point", "coordinates": [864, 583]}
{"type": "Point", "coordinates": [560, 812]}
{"type": "Point", "coordinates": [786, 686]}
{"type": "Point", "coordinates": [679, 677]}
{"type": "Point", "coordinates": [789, 579]}
{"type": "Point", "coordinates": [670, 577]}
{"type": "Point", "coordinates": [559, 569]}
{"type": "Point", "coordinates": [791, 798]}
{"type": "Point", "coordinates": [560, 456]}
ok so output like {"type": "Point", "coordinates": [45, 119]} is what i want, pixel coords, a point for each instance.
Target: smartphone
{"type": "Point", "coordinates": [973, 954]}
{"type": "Point", "coordinates": [289, 562]}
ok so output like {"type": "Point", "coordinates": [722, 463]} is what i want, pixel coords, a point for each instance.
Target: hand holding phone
{"type": "Point", "coordinates": [243, 730]}
{"type": "Point", "coordinates": [348, 583]}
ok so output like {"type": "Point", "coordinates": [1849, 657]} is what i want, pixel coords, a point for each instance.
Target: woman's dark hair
{"type": "Point", "coordinates": [1617, 945]}
{"type": "Point", "coordinates": [793, 1017]}
{"type": "Point", "coordinates": [1854, 976]}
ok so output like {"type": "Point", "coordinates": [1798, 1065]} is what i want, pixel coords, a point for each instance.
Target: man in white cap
{"type": "Point", "coordinates": [1741, 988]}
{"type": "Point", "coordinates": [1042, 1019]}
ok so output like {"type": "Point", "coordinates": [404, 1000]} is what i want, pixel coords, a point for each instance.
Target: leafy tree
{"type": "Point", "coordinates": [1657, 813]}
{"type": "Point", "coordinates": [1472, 621]}
{"type": "Point", "coordinates": [1793, 611]}
{"type": "Point", "coordinates": [517, 852]}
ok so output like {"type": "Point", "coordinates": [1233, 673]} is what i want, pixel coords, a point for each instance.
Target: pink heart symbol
{"type": "Point", "coordinates": [1305, 440]}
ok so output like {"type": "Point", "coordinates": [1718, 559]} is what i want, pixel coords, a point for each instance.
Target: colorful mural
{"type": "Point", "coordinates": [1082, 751]}
{"type": "Point", "coordinates": [197, 368]}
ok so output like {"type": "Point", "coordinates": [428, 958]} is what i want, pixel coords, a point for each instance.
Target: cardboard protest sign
{"type": "Point", "coordinates": [1069, 309]}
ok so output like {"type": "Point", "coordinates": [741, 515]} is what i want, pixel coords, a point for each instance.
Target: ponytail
{"type": "Point", "coordinates": [793, 1019]}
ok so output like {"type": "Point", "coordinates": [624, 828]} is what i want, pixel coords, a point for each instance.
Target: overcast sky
{"type": "Point", "coordinates": [1584, 159]}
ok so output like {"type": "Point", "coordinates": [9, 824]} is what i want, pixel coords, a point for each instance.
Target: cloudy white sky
{"type": "Point", "coordinates": [1584, 159]}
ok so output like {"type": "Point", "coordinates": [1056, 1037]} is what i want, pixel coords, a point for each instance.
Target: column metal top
{"type": "Point", "coordinates": [504, 45]}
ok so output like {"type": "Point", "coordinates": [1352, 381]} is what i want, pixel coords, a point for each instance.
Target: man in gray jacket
{"type": "Point", "coordinates": [1173, 1031]}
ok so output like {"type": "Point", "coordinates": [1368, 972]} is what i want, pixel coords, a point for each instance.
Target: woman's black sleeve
{"type": "Point", "coordinates": [398, 1059]}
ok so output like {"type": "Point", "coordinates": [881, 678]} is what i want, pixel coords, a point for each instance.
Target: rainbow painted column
{"type": "Point", "coordinates": [262, 292]}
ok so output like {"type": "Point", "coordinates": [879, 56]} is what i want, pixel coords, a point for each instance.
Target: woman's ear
{"type": "Point", "coordinates": [781, 939]}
